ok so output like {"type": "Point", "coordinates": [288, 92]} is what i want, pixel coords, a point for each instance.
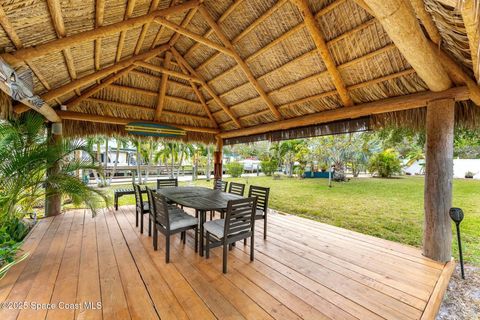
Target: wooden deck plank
{"type": "Point", "coordinates": [89, 276]}
{"type": "Point", "coordinates": [30, 244]}
{"type": "Point", "coordinates": [304, 270]}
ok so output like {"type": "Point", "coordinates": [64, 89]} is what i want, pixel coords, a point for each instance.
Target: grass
{"type": "Point", "coordinates": [387, 208]}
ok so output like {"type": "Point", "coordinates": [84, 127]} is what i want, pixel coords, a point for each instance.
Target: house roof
{"type": "Point", "coordinates": [224, 67]}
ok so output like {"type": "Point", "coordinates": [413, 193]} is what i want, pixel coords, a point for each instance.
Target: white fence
{"type": "Point", "coordinates": [460, 168]}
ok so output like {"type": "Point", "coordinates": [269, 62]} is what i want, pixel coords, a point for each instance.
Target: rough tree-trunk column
{"type": "Point", "coordinates": [437, 235]}
{"type": "Point", "coordinates": [217, 160]}
{"type": "Point", "coordinates": [53, 201]}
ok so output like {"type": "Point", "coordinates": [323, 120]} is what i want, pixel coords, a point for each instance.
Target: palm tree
{"type": "Point", "coordinates": [121, 143]}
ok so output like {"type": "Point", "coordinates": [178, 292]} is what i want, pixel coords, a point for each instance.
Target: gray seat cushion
{"type": "Point", "coordinates": [215, 227]}
{"type": "Point", "coordinates": [259, 212]}
{"type": "Point", "coordinates": [179, 219]}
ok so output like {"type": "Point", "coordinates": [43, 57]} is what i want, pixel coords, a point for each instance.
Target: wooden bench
{"type": "Point", "coordinates": [123, 192]}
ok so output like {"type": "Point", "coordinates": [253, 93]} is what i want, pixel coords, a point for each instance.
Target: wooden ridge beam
{"type": "Point", "coordinates": [99, 18]}
{"type": "Point", "coordinates": [412, 101]}
{"type": "Point", "coordinates": [210, 91]}
{"type": "Point", "coordinates": [314, 30]}
{"type": "Point", "coordinates": [135, 107]}
{"type": "Point", "coordinates": [79, 116]}
{"type": "Point", "coordinates": [55, 10]}
{"type": "Point", "coordinates": [193, 36]}
{"type": "Point", "coordinates": [209, 32]}
{"type": "Point", "coordinates": [167, 71]}
{"type": "Point", "coordinates": [199, 96]}
{"type": "Point", "coordinates": [331, 93]}
{"type": "Point", "coordinates": [240, 62]}
{"type": "Point", "coordinates": [17, 57]}
{"type": "Point", "coordinates": [96, 88]}
{"type": "Point", "coordinates": [83, 81]}
{"type": "Point", "coordinates": [123, 33]}
{"type": "Point", "coordinates": [162, 89]}
{"type": "Point", "coordinates": [400, 23]}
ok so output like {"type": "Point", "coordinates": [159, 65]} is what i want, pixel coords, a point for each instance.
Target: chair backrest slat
{"type": "Point", "coordinates": [138, 197]}
{"type": "Point", "coordinates": [262, 194]}
{"type": "Point", "coordinates": [167, 183]}
{"type": "Point", "coordinates": [220, 185]}
{"type": "Point", "coordinates": [240, 216]}
{"type": "Point", "coordinates": [236, 188]}
{"type": "Point", "coordinates": [161, 210]}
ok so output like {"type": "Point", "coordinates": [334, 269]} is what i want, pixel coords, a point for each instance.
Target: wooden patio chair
{"type": "Point", "coordinates": [221, 186]}
{"type": "Point", "coordinates": [238, 224]}
{"type": "Point", "coordinates": [170, 221]}
{"type": "Point", "coordinates": [262, 194]}
{"type": "Point", "coordinates": [166, 183]}
{"type": "Point", "coordinates": [141, 207]}
{"type": "Point", "coordinates": [236, 188]}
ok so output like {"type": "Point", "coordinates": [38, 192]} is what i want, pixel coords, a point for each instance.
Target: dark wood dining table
{"type": "Point", "coordinates": [201, 199]}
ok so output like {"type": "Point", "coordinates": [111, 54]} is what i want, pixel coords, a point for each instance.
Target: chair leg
{"type": "Point", "coordinates": [149, 226]}
{"type": "Point", "coordinates": [155, 237]}
{"type": "Point", "coordinates": [265, 227]}
{"type": "Point", "coordinates": [251, 247]}
{"type": "Point", "coordinates": [184, 236]}
{"type": "Point", "coordinates": [225, 255]}
{"type": "Point", "coordinates": [211, 215]}
{"type": "Point", "coordinates": [141, 223]}
{"type": "Point", "coordinates": [167, 249]}
{"type": "Point", "coordinates": [136, 218]}
{"type": "Point", "coordinates": [207, 249]}
{"type": "Point", "coordinates": [196, 239]}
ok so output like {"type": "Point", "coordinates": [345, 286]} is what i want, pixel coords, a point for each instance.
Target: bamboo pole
{"type": "Point", "coordinates": [240, 62]}
{"type": "Point", "coordinates": [143, 33]}
{"type": "Point", "coordinates": [99, 17]}
{"type": "Point", "coordinates": [15, 58]}
{"type": "Point", "coordinates": [471, 17]}
{"type": "Point", "coordinates": [407, 102]}
{"type": "Point", "coordinates": [80, 82]}
{"type": "Point", "coordinates": [123, 33]}
{"type": "Point", "coordinates": [98, 87]}
{"type": "Point", "coordinates": [399, 21]}
{"type": "Point", "coordinates": [78, 116]}
{"type": "Point", "coordinates": [313, 28]}
{"type": "Point", "coordinates": [162, 88]}
{"type": "Point", "coordinates": [167, 71]}
{"type": "Point", "coordinates": [210, 91]}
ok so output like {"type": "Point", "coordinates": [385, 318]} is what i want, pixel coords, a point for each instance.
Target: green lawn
{"type": "Point", "coordinates": [387, 208]}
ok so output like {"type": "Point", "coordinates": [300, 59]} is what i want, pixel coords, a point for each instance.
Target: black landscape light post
{"type": "Point", "coordinates": [457, 216]}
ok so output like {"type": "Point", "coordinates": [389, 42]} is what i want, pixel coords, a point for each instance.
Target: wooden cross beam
{"type": "Point", "coordinates": [313, 28]}
{"type": "Point", "coordinates": [162, 88]}
{"type": "Point", "coordinates": [17, 57]}
{"type": "Point", "coordinates": [199, 95]}
{"type": "Point", "coordinates": [80, 82]}
{"type": "Point", "coordinates": [210, 91]}
{"type": "Point", "coordinates": [240, 61]}
{"type": "Point", "coordinates": [168, 71]}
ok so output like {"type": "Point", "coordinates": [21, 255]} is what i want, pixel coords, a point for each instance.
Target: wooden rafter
{"type": "Point", "coordinates": [426, 19]}
{"type": "Point", "coordinates": [168, 71]}
{"type": "Point", "coordinates": [471, 21]}
{"type": "Point", "coordinates": [96, 88]}
{"type": "Point", "coordinates": [143, 33]}
{"type": "Point", "coordinates": [400, 23]}
{"type": "Point", "coordinates": [210, 91]}
{"type": "Point", "coordinates": [57, 20]}
{"type": "Point", "coordinates": [99, 15]}
{"type": "Point", "coordinates": [243, 65]}
{"type": "Point", "coordinates": [199, 95]}
{"type": "Point", "coordinates": [183, 24]}
{"type": "Point", "coordinates": [162, 91]}
{"type": "Point", "coordinates": [17, 57]}
{"type": "Point", "coordinates": [79, 116]}
{"type": "Point", "coordinates": [313, 28]}
{"type": "Point", "coordinates": [123, 33]}
{"type": "Point", "coordinates": [407, 102]}
{"type": "Point", "coordinates": [322, 95]}
{"type": "Point", "coordinates": [83, 81]}
{"type": "Point", "coordinates": [193, 35]}
{"type": "Point", "coordinates": [151, 76]}
{"type": "Point", "coordinates": [133, 107]}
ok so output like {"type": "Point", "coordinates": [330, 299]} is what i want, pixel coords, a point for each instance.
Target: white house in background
{"type": "Point", "coordinates": [460, 168]}
{"type": "Point", "coordinates": [250, 164]}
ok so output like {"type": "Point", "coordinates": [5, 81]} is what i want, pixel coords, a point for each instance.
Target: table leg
{"type": "Point", "coordinates": [203, 214]}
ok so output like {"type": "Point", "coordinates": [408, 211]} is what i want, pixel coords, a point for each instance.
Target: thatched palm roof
{"type": "Point", "coordinates": [223, 65]}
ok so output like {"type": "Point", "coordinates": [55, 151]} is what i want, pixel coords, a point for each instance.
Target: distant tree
{"type": "Point", "coordinates": [385, 163]}
{"type": "Point", "coordinates": [269, 166]}
{"type": "Point", "coordinates": [234, 168]}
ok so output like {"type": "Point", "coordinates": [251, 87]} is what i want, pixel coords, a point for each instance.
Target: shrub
{"type": "Point", "coordinates": [235, 169]}
{"type": "Point", "coordinates": [269, 166]}
{"type": "Point", "coordinates": [385, 163]}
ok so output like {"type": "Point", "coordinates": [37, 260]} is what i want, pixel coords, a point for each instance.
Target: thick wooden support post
{"type": "Point", "coordinates": [437, 235]}
{"type": "Point", "coordinates": [218, 159]}
{"type": "Point", "coordinates": [53, 199]}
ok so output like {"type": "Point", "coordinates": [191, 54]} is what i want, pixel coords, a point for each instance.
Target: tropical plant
{"type": "Point", "coordinates": [269, 166]}
{"type": "Point", "coordinates": [234, 168]}
{"type": "Point", "coordinates": [385, 163]}
{"type": "Point", "coordinates": [121, 143]}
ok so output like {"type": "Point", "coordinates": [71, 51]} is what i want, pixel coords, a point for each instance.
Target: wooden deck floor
{"type": "Point", "coordinates": [304, 270]}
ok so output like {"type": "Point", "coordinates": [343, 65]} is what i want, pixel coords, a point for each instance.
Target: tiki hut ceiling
{"type": "Point", "coordinates": [224, 67]}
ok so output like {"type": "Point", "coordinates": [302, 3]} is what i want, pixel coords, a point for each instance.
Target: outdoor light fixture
{"type": "Point", "coordinates": [457, 216]}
